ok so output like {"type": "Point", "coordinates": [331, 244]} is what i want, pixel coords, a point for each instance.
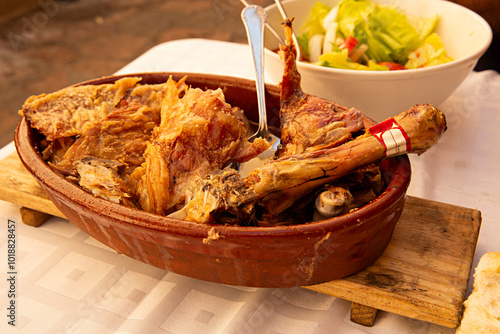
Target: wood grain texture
{"type": "Point", "coordinates": [363, 315]}
{"type": "Point", "coordinates": [423, 273]}
{"type": "Point", "coordinates": [20, 187]}
{"type": "Point", "coordinates": [32, 217]}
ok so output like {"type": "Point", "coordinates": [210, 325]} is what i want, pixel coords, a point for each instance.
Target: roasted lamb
{"type": "Point", "coordinates": [309, 123]}
{"type": "Point", "coordinates": [199, 133]}
{"type": "Point", "coordinates": [271, 185]}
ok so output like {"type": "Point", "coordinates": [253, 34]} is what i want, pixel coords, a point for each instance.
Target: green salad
{"type": "Point", "coordinates": [362, 35]}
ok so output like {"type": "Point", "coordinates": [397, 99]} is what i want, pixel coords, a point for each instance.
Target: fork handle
{"type": "Point", "coordinates": [254, 18]}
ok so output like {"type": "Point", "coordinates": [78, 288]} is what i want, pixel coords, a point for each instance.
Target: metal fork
{"type": "Point", "coordinates": [254, 18]}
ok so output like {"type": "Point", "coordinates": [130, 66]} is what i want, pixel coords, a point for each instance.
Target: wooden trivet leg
{"type": "Point", "coordinates": [363, 315]}
{"type": "Point", "coordinates": [33, 217]}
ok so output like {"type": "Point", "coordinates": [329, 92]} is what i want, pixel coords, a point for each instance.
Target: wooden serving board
{"type": "Point", "coordinates": [423, 274]}
{"type": "Point", "coordinates": [424, 271]}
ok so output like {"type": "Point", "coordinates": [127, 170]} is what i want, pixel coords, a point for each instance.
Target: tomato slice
{"type": "Point", "coordinates": [349, 43]}
{"type": "Point", "coordinates": [392, 66]}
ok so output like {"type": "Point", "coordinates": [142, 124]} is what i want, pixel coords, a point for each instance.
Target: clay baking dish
{"type": "Point", "coordinates": [283, 256]}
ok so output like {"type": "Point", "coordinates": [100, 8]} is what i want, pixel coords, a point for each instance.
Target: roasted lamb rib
{"type": "Point", "coordinates": [140, 145]}
{"type": "Point", "coordinates": [309, 123]}
{"type": "Point", "coordinates": [121, 135]}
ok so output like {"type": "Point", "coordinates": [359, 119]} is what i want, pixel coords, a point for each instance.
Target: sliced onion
{"type": "Point", "coordinates": [357, 53]}
{"type": "Point", "coordinates": [330, 36]}
{"type": "Point", "coordinates": [315, 46]}
{"type": "Point", "coordinates": [331, 17]}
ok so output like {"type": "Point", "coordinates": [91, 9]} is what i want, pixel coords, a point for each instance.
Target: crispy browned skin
{"type": "Point", "coordinates": [308, 122]}
{"type": "Point", "coordinates": [65, 113]}
{"type": "Point", "coordinates": [122, 136]}
{"type": "Point", "coordinates": [199, 133]}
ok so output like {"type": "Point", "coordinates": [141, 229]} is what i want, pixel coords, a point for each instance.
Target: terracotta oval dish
{"type": "Point", "coordinates": [279, 256]}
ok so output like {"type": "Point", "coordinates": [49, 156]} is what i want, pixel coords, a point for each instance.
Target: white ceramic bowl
{"type": "Point", "coordinates": [380, 95]}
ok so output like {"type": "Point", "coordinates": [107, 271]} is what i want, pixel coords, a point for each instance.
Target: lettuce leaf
{"type": "Point", "coordinates": [303, 41]}
{"type": "Point", "coordinates": [430, 53]}
{"type": "Point", "coordinates": [352, 13]}
{"type": "Point", "coordinates": [389, 35]}
{"type": "Point", "coordinates": [312, 26]}
{"type": "Point", "coordinates": [424, 25]}
{"type": "Point", "coordinates": [314, 23]}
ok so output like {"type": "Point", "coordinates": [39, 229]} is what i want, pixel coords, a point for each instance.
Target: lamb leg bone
{"type": "Point", "coordinates": [273, 183]}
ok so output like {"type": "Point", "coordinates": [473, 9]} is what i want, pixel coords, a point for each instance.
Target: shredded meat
{"type": "Point", "coordinates": [199, 133]}
{"type": "Point", "coordinates": [101, 178]}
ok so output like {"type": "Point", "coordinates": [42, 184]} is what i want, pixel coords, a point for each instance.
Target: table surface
{"type": "Point", "coordinates": [68, 282]}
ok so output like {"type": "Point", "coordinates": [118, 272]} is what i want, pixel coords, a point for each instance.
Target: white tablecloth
{"type": "Point", "coordinates": [69, 283]}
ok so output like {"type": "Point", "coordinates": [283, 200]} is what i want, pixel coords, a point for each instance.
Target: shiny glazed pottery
{"type": "Point", "coordinates": [281, 256]}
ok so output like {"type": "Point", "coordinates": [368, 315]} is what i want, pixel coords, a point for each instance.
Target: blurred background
{"type": "Point", "coordinates": [46, 45]}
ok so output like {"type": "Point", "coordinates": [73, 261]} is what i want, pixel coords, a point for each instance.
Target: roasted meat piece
{"type": "Point", "coordinates": [199, 133]}
{"type": "Point", "coordinates": [66, 112]}
{"type": "Point", "coordinates": [101, 178]}
{"type": "Point", "coordinates": [121, 135]}
{"type": "Point", "coordinates": [272, 185]}
{"type": "Point", "coordinates": [229, 197]}
{"type": "Point", "coordinates": [308, 122]}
